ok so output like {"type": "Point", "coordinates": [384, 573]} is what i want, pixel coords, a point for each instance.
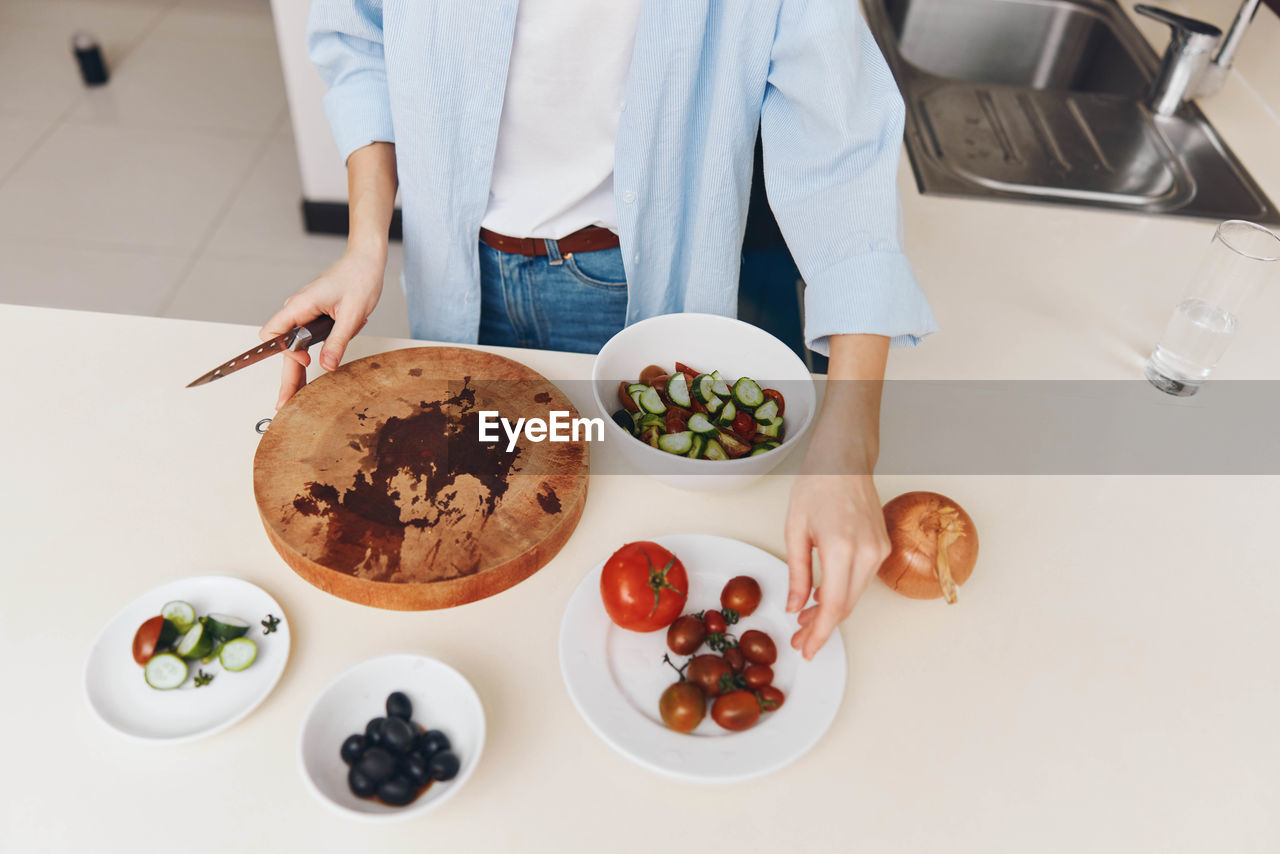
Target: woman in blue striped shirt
{"type": "Point", "coordinates": [566, 167]}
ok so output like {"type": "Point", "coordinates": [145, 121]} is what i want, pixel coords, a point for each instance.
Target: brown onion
{"type": "Point", "coordinates": [935, 546]}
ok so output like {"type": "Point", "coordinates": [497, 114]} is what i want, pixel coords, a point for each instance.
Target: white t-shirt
{"type": "Point", "coordinates": [553, 169]}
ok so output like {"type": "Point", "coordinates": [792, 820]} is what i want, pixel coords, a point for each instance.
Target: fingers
{"type": "Point", "coordinates": [837, 567]}
{"type": "Point", "coordinates": [800, 564]}
{"type": "Point", "coordinates": [293, 376]}
{"type": "Point", "coordinates": [346, 323]}
{"type": "Point", "coordinates": [298, 310]}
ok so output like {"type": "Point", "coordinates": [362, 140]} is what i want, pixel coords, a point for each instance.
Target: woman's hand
{"type": "Point", "coordinates": [834, 505]}
{"type": "Point", "coordinates": [840, 516]}
{"type": "Point", "coordinates": [348, 292]}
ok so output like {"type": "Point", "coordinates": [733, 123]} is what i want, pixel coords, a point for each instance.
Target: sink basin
{"type": "Point", "coordinates": [1042, 100]}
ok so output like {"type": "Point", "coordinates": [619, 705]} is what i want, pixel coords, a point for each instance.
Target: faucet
{"type": "Point", "coordinates": [1186, 70]}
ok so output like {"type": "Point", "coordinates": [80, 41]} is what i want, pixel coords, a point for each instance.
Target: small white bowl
{"type": "Point", "coordinates": [706, 342]}
{"type": "Point", "coordinates": [442, 699]}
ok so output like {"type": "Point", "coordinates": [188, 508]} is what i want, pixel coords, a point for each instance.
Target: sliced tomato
{"type": "Point", "coordinates": [744, 426]}
{"type": "Point", "coordinates": [628, 402]}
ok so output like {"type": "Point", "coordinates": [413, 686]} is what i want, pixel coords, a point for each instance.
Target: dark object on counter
{"type": "Point", "coordinates": [88, 53]}
{"type": "Point", "coordinates": [394, 760]}
{"type": "Point", "coordinates": [398, 706]}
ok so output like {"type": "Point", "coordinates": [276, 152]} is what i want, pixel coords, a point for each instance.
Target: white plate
{"type": "Point", "coordinates": [615, 676]}
{"type": "Point", "coordinates": [442, 699]}
{"type": "Point", "coordinates": [119, 694]}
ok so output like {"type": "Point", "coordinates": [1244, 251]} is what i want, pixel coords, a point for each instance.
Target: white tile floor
{"type": "Point", "coordinates": [173, 190]}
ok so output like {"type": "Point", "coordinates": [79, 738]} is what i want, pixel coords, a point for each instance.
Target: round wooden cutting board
{"type": "Point", "coordinates": [374, 485]}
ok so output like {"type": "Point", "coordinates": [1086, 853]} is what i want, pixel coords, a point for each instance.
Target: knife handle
{"type": "Point", "coordinates": [313, 333]}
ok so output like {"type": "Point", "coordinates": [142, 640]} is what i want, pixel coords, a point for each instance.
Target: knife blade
{"type": "Point", "coordinates": [297, 338]}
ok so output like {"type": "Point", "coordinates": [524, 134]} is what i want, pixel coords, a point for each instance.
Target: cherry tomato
{"type": "Point", "coordinates": [644, 587]}
{"type": "Point", "coordinates": [696, 406]}
{"type": "Point", "coordinates": [650, 374]}
{"type": "Point", "coordinates": [744, 425]}
{"type": "Point", "coordinates": [705, 671]}
{"type": "Point", "coordinates": [715, 623]}
{"type": "Point", "coordinates": [735, 659]}
{"type": "Point", "coordinates": [628, 402]}
{"type": "Point", "coordinates": [758, 676]}
{"type": "Point", "coordinates": [146, 639]}
{"type": "Point", "coordinates": [686, 634]}
{"type": "Point", "coordinates": [742, 594]}
{"type": "Point", "coordinates": [682, 706]}
{"type": "Point", "coordinates": [776, 396]}
{"type": "Point", "coordinates": [758, 647]}
{"type": "Point", "coordinates": [675, 424]}
{"type": "Point", "coordinates": [686, 370]}
{"type": "Point", "coordinates": [771, 699]}
{"type": "Point", "coordinates": [736, 710]}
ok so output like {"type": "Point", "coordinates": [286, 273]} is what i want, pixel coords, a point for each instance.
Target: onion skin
{"type": "Point", "coordinates": [917, 522]}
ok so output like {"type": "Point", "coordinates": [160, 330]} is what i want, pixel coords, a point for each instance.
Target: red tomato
{"type": "Point", "coordinates": [742, 594]}
{"type": "Point", "coordinates": [736, 710]}
{"type": "Point", "coordinates": [650, 374]}
{"type": "Point", "coordinates": [686, 634]}
{"type": "Point", "coordinates": [682, 706]}
{"type": "Point", "coordinates": [675, 424]}
{"type": "Point", "coordinates": [758, 647]}
{"type": "Point", "coordinates": [715, 623]}
{"type": "Point", "coordinates": [735, 659]}
{"type": "Point", "coordinates": [744, 425]}
{"type": "Point", "coordinates": [758, 676]}
{"type": "Point", "coordinates": [685, 369]}
{"type": "Point", "coordinates": [706, 671]}
{"type": "Point", "coordinates": [776, 396]}
{"type": "Point", "coordinates": [771, 699]}
{"type": "Point", "coordinates": [644, 587]}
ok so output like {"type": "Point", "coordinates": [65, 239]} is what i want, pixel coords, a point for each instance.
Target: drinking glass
{"type": "Point", "coordinates": [1241, 257]}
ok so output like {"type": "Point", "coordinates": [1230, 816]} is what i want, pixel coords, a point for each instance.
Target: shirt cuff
{"type": "Point", "coordinates": [873, 294]}
{"type": "Point", "coordinates": [359, 112]}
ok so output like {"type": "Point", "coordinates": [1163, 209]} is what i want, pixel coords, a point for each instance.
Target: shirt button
{"type": "Point", "coordinates": [629, 196]}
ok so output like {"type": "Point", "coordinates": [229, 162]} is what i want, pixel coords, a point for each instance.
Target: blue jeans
{"type": "Point", "coordinates": [552, 302]}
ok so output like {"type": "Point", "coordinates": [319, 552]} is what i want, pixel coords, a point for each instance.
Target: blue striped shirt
{"type": "Point", "coordinates": [429, 75]}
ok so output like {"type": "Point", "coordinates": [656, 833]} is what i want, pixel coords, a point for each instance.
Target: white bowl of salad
{"type": "Point", "coordinates": [700, 401]}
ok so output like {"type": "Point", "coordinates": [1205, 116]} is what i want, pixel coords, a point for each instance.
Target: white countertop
{"type": "Point", "coordinates": [1107, 681]}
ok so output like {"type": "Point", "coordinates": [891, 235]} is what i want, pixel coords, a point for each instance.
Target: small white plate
{"type": "Point", "coordinates": [442, 699]}
{"type": "Point", "coordinates": [120, 696]}
{"type": "Point", "coordinates": [615, 676]}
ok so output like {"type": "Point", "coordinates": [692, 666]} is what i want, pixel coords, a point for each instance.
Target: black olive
{"type": "Point", "coordinates": [373, 732]}
{"type": "Point", "coordinates": [397, 791]}
{"type": "Point", "coordinates": [361, 786]}
{"type": "Point", "coordinates": [398, 734]}
{"type": "Point", "coordinates": [377, 764]}
{"type": "Point", "coordinates": [444, 765]}
{"type": "Point", "coordinates": [398, 706]}
{"type": "Point", "coordinates": [624, 420]}
{"type": "Point", "coordinates": [352, 749]}
{"type": "Point", "coordinates": [416, 768]}
{"type": "Point", "coordinates": [432, 742]}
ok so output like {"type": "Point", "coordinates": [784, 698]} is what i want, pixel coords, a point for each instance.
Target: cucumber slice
{"type": "Point", "coordinates": [703, 387]}
{"type": "Point", "coordinates": [762, 448]}
{"type": "Point", "coordinates": [713, 405]}
{"type": "Point", "coordinates": [165, 671]}
{"type": "Point", "coordinates": [720, 386]}
{"type": "Point", "coordinates": [168, 634]}
{"type": "Point", "coordinates": [225, 627]}
{"type": "Point", "coordinates": [747, 393]}
{"type": "Point", "coordinates": [678, 390]}
{"type": "Point", "coordinates": [647, 420]}
{"type": "Point", "coordinates": [766, 411]}
{"type": "Point", "coordinates": [699, 445]}
{"type": "Point", "coordinates": [676, 443]}
{"type": "Point", "coordinates": [727, 413]}
{"type": "Point", "coordinates": [771, 428]}
{"type": "Point", "coordinates": [238, 654]}
{"type": "Point", "coordinates": [182, 615]}
{"type": "Point", "coordinates": [701, 425]}
{"type": "Point", "coordinates": [651, 401]}
{"type": "Point", "coordinates": [196, 643]}
{"type": "Point", "coordinates": [714, 451]}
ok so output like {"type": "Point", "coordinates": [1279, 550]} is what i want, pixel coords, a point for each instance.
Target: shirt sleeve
{"type": "Point", "coordinates": [344, 39]}
{"type": "Point", "coordinates": [831, 127]}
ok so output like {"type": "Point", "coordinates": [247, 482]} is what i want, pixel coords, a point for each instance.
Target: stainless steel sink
{"type": "Point", "coordinates": [1043, 100]}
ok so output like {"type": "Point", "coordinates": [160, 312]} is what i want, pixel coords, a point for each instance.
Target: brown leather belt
{"type": "Point", "coordinates": [587, 239]}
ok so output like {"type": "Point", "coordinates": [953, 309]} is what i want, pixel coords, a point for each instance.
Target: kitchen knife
{"type": "Point", "coordinates": [297, 338]}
